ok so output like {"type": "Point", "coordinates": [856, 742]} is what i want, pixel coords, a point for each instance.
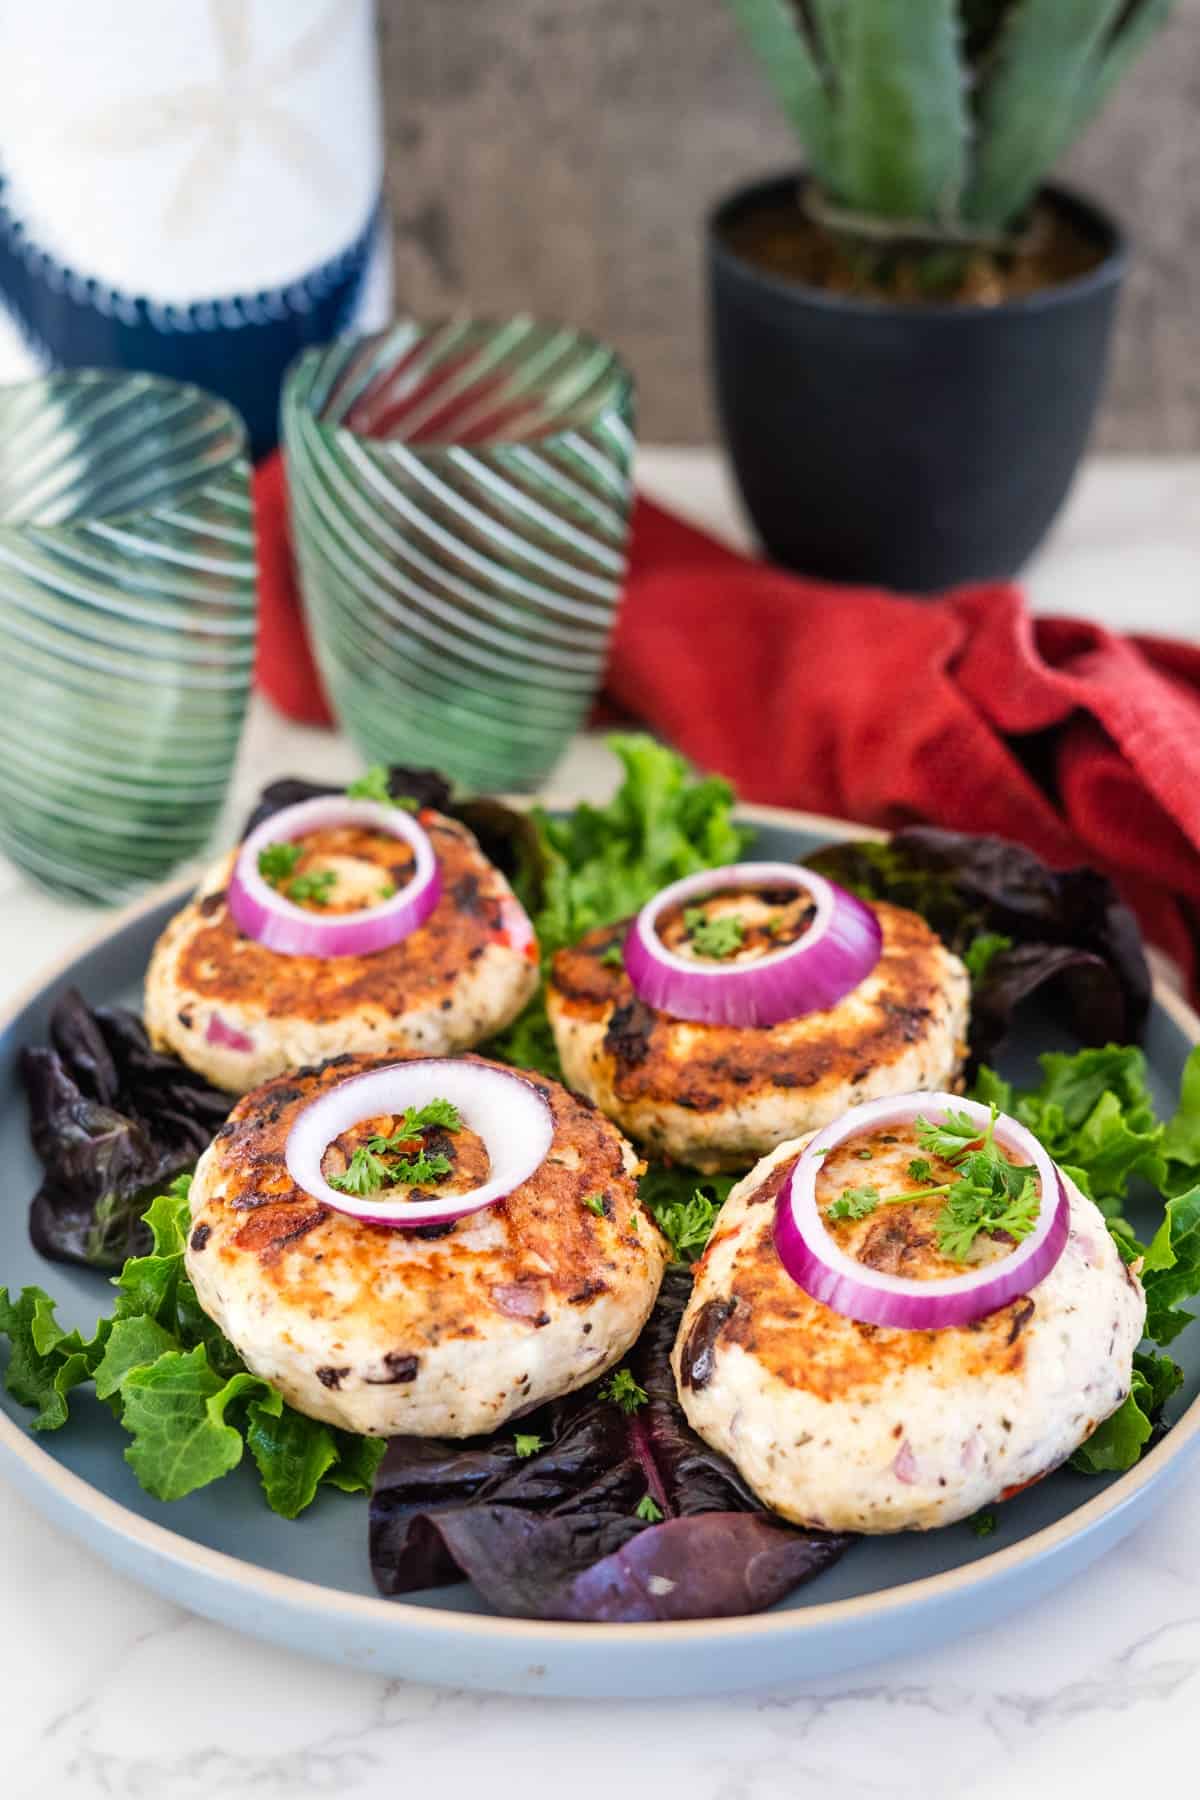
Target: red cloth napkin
{"type": "Point", "coordinates": [963, 711]}
{"type": "Point", "coordinates": [284, 668]}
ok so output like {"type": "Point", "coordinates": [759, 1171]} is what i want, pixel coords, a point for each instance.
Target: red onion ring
{"type": "Point", "coordinates": [839, 950]}
{"type": "Point", "coordinates": [505, 1109]}
{"type": "Point", "coordinates": [276, 922]}
{"type": "Point", "coordinates": [818, 1265]}
{"type": "Point", "coordinates": [227, 1037]}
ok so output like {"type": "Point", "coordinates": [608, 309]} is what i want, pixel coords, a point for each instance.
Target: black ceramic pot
{"type": "Point", "coordinates": [910, 446]}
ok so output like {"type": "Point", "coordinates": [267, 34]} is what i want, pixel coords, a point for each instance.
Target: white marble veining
{"type": "Point", "coordinates": [108, 1693]}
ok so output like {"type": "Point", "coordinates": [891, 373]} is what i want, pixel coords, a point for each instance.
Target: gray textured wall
{"type": "Point", "coordinates": [557, 155]}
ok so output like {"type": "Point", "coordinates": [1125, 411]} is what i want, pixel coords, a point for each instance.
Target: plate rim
{"type": "Point", "coordinates": [79, 1499]}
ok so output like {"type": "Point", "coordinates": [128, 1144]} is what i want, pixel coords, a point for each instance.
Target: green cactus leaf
{"type": "Point", "coordinates": [827, 20]}
{"type": "Point", "coordinates": [902, 121]}
{"type": "Point", "coordinates": [774, 30]}
{"type": "Point", "coordinates": [982, 20]}
{"type": "Point", "coordinates": [1137, 25]}
{"type": "Point", "coordinates": [1047, 60]}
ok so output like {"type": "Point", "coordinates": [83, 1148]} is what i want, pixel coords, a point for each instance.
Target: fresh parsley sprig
{"type": "Point", "coordinates": [416, 1119]}
{"type": "Point", "coordinates": [317, 886]}
{"type": "Point", "coordinates": [277, 864]}
{"type": "Point", "coordinates": [624, 1391]}
{"type": "Point", "coordinates": [687, 1224]}
{"type": "Point", "coordinates": [990, 1195]}
{"type": "Point", "coordinates": [853, 1203]}
{"type": "Point", "coordinates": [972, 1208]}
{"type": "Point", "coordinates": [412, 1172]}
{"type": "Point", "coordinates": [713, 937]}
{"type": "Point", "coordinates": [955, 1135]}
{"type": "Point", "coordinates": [372, 1167]}
{"type": "Point", "coordinates": [277, 861]}
{"type": "Point", "coordinates": [987, 1195]}
{"type": "Point", "coordinates": [367, 1172]}
{"type": "Point", "coordinates": [364, 1174]}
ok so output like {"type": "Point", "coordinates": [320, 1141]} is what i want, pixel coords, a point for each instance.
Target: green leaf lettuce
{"type": "Point", "coordinates": [176, 1384]}
{"type": "Point", "coordinates": [1094, 1113]}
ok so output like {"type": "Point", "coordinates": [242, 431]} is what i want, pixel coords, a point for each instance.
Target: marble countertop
{"type": "Point", "coordinates": [107, 1691]}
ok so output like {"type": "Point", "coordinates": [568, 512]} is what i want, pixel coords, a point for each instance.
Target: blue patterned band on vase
{"type": "Point", "coordinates": [237, 346]}
{"type": "Point", "coordinates": [194, 191]}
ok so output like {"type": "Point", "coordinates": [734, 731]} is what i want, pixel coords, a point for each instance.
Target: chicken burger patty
{"type": "Point", "coordinates": [240, 1013]}
{"type": "Point", "coordinates": [856, 1427]}
{"type": "Point", "coordinates": [717, 1096]}
{"type": "Point", "coordinates": [443, 1331]}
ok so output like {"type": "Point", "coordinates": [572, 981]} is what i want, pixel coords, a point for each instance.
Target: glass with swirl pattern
{"type": "Point", "coordinates": [127, 622]}
{"type": "Point", "coordinates": [460, 499]}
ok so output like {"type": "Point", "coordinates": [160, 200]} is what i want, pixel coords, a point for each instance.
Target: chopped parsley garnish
{"type": "Point", "coordinates": [864, 1155]}
{"type": "Point", "coordinates": [624, 1391]}
{"type": "Point", "coordinates": [415, 1171]}
{"type": "Point", "coordinates": [416, 1119]}
{"type": "Point", "coordinates": [595, 1204]}
{"type": "Point", "coordinates": [853, 1203]}
{"type": "Point", "coordinates": [613, 957]}
{"type": "Point", "coordinates": [527, 1443]}
{"type": "Point", "coordinates": [977, 1205]}
{"type": "Point", "coordinates": [387, 891]}
{"type": "Point", "coordinates": [647, 1508]}
{"type": "Point", "coordinates": [687, 1224]}
{"type": "Point", "coordinates": [277, 861]}
{"type": "Point", "coordinates": [315, 887]}
{"type": "Point", "coordinates": [988, 1195]}
{"type": "Point", "coordinates": [983, 1524]}
{"type": "Point", "coordinates": [954, 1135]}
{"type": "Point", "coordinates": [371, 1167]}
{"type": "Point", "coordinates": [713, 937]}
{"type": "Point", "coordinates": [365, 1174]}
{"type": "Point", "coordinates": [374, 786]}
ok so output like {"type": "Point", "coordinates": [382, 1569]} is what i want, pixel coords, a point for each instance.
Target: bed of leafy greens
{"type": "Point", "coordinates": [175, 1383]}
{"type": "Point", "coordinates": [545, 1518]}
{"type": "Point", "coordinates": [603, 1505]}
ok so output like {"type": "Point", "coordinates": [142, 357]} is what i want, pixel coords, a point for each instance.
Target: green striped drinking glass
{"type": "Point", "coordinates": [460, 498]}
{"type": "Point", "coordinates": [127, 621]}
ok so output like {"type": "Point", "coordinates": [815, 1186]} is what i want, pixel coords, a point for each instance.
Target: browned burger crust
{"type": "Point", "coordinates": [716, 1096]}
{"type": "Point", "coordinates": [456, 980]}
{"type": "Point", "coordinates": [851, 1426]}
{"type": "Point", "coordinates": [805, 1345]}
{"type": "Point", "coordinates": [543, 1288]}
{"type": "Point", "coordinates": [221, 964]}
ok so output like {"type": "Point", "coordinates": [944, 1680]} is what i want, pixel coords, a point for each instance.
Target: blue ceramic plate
{"type": "Point", "coordinates": [307, 1584]}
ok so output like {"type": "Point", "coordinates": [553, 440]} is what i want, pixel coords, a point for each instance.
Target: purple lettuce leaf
{"type": "Point", "coordinates": [112, 1122]}
{"type": "Point", "coordinates": [1067, 929]}
{"type": "Point", "coordinates": [557, 1534]}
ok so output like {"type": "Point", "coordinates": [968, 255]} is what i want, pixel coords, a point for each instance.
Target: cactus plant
{"type": "Point", "coordinates": [932, 123]}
